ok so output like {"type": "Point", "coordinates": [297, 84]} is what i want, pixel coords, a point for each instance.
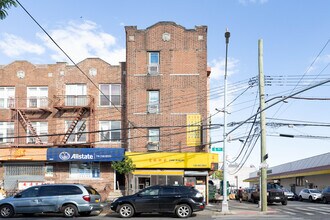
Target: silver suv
{"type": "Point", "coordinates": [69, 199]}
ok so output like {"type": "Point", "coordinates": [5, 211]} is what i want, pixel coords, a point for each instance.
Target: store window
{"type": "Point", "coordinates": [110, 131]}
{"type": "Point", "coordinates": [110, 94]}
{"type": "Point", "coordinates": [7, 97]}
{"type": "Point", "coordinates": [6, 131]}
{"type": "Point", "coordinates": [82, 170]}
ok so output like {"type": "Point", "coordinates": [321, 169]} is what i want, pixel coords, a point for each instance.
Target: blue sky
{"type": "Point", "coordinates": [294, 32]}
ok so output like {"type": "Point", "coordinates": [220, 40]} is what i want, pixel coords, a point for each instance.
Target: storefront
{"type": "Point", "coordinates": [190, 169]}
{"type": "Point", "coordinates": [24, 167]}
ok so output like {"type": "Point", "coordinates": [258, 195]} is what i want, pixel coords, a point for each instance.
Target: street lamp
{"type": "Point", "coordinates": [224, 207]}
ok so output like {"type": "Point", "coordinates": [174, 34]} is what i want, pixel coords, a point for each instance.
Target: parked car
{"type": "Point", "coordinates": [289, 195]}
{"type": "Point", "coordinates": [274, 194]}
{"type": "Point", "coordinates": [69, 199]}
{"type": "Point", "coordinates": [310, 194]}
{"type": "Point", "coordinates": [325, 196]}
{"type": "Point", "coordinates": [180, 200]}
{"type": "Point", "coordinates": [246, 196]}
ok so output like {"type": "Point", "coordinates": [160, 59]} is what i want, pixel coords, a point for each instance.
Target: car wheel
{"type": "Point", "coordinates": [183, 211]}
{"type": "Point", "coordinates": [69, 211]}
{"type": "Point", "coordinates": [285, 202]}
{"type": "Point", "coordinates": [6, 211]}
{"type": "Point", "coordinates": [300, 198]}
{"type": "Point", "coordinates": [325, 201]}
{"type": "Point", "coordinates": [126, 211]}
{"type": "Point", "coordinates": [84, 213]}
{"type": "Point", "coordinates": [310, 199]}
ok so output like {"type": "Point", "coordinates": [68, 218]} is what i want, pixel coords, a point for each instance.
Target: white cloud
{"type": "Point", "coordinates": [218, 67]}
{"type": "Point", "coordinates": [83, 40]}
{"type": "Point", "coordinates": [246, 2]}
{"type": "Point", "coordinates": [14, 46]}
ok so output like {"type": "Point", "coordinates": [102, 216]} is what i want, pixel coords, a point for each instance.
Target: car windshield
{"type": "Point", "coordinates": [315, 191]}
{"type": "Point", "coordinates": [273, 186]}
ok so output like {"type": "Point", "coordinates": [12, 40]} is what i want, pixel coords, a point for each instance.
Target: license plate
{"type": "Point", "coordinates": [277, 197]}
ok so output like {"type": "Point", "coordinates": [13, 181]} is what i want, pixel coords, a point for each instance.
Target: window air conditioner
{"type": "Point", "coordinates": [153, 109]}
{"type": "Point", "coordinates": [153, 69]}
{"type": "Point", "coordinates": [153, 146]}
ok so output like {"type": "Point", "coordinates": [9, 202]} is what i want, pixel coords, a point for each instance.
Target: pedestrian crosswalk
{"type": "Point", "coordinates": [305, 210]}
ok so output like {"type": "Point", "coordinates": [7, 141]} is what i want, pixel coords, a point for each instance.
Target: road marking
{"type": "Point", "coordinates": [290, 213]}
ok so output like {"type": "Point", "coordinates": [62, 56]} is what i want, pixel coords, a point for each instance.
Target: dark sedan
{"type": "Point", "coordinates": [180, 200]}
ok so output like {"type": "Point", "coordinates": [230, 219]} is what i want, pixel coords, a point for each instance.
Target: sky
{"type": "Point", "coordinates": [296, 52]}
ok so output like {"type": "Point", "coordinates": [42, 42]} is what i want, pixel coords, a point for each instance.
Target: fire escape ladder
{"type": "Point", "coordinates": [74, 123]}
{"type": "Point", "coordinates": [81, 129]}
{"type": "Point", "coordinates": [25, 121]}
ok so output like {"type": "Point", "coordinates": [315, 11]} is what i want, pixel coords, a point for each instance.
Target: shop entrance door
{"type": "Point", "coordinates": [143, 182]}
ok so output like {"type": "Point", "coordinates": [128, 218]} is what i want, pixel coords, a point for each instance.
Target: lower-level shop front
{"type": "Point", "coordinates": [190, 169]}
{"type": "Point", "coordinates": [25, 167]}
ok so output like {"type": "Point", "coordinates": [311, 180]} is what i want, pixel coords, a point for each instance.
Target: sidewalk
{"type": "Point", "coordinates": [237, 208]}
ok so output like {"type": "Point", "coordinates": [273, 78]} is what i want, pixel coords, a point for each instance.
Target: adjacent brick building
{"type": "Point", "coordinates": [70, 123]}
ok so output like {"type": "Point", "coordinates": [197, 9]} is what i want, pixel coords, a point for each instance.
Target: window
{"type": "Point", "coordinates": [77, 136]}
{"type": "Point", "coordinates": [84, 170]}
{"type": "Point", "coordinates": [153, 134]}
{"type": "Point", "coordinates": [153, 67]}
{"type": "Point", "coordinates": [110, 131]}
{"type": "Point", "coordinates": [41, 128]}
{"type": "Point", "coordinates": [30, 192]}
{"type": "Point", "coordinates": [7, 97]}
{"type": "Point", "coordinates": [6, 131]}
{"type": "Point", "coordinates": [111, 94]}
{"type": "Point", "coordinates": [300, 181]}
{"type": "Point", "coordinates": [76, 95]}
{"type": "Point", "coordinates": [153, 102]}
{"type": "Point", "coordinates": [150, 192]}
{"type": "Point", "coordinates": [37, 97]}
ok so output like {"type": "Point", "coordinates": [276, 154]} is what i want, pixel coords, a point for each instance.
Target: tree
{"type": "Point", "coordinates": [125, 167]}
{"type": "Point", "coordinates": [4, 6]}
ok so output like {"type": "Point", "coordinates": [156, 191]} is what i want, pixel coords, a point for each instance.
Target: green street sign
{"type": "Point", "coordinates": [216, 149]}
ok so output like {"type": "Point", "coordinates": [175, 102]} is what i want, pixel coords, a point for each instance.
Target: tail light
{"type": "Point", "coordinates": [87, 198]}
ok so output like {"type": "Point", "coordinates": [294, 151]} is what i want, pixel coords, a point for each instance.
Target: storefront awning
{"type": "Point", "coordinates": [166, 160]}
{"type": "Point", "coordinates": [85, 154]}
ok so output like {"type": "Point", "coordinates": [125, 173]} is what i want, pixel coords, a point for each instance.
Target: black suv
{"type": "Point", "coordinates": [274, 194]}
{"type": "Point", "coordinates": [181, 200]}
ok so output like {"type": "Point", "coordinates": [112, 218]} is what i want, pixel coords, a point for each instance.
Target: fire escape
{"type": "Point", "coordinates": [24, 112]}
{"type": "Point", "coordinates": [77, 108]}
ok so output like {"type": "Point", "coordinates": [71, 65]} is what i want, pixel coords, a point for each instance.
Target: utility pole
{"type": "Point", "coordinates": [224, 207]}
{"type": "Point", "coordinates": [264, 155]}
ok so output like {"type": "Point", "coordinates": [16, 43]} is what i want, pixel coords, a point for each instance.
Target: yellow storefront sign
{"type": "Point", "coordinates": [193, 130]}
{"type": "Point", "coordinates": [39, 154]}
{"type": "Point", "coordinates": [173, 160]}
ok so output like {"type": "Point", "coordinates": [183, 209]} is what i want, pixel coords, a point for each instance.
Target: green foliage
{"type": "Point", "coordinates": [4, 5]}
{"type": "Point", "coordinates": [218, 175]}
{"type": "Point", "coordinates": [125, 166]}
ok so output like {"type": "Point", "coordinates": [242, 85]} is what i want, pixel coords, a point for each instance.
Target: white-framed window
{"type": "Point", "coordinates": [37, 97]}
{"type": "Point", "coordinates": [153, 101]}
{"type": "Point", "coordinates": [76, 95]}
{"type": "Point", "coordinates": [110, 131]}
{"type": "Point", "coordinates": [153, 65]}
{"type": "Point", "coordinates": [77, 136]}
{"type": "Point", "coordinates": [41, 128]}
{"type": "Point", "coordinates": [153, 135]}
{"type": "Point", "coordinates": [81, 170]}
{"type": "Point", "coordinates": [6, 131]}
{"type": "Point", "coordinates": [111, 94]}
{"type": "Point", "coordinates": [7, 97]}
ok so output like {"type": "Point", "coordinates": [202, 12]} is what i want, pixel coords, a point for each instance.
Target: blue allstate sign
{"type": "Point", "coordinates": [85, 154]}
